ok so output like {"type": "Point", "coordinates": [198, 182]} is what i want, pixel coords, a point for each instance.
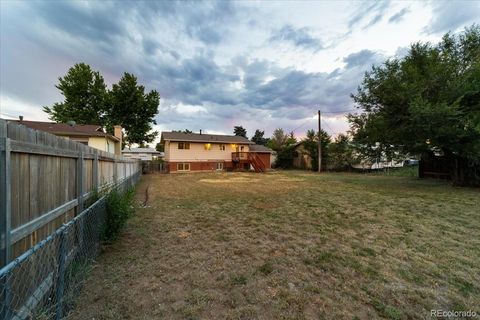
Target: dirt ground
{"type": "Point", "coordinates": [290, 245]}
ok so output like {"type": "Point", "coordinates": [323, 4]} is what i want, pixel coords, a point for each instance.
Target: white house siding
{"type": "Point", "coordinates": [167, 150]}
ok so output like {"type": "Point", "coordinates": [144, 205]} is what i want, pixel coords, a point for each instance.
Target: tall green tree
{"type": "Point", "coordinates": [278, 140]}
{"type": "Point", "coordinates": [259, 138]}
{"type": "Point", "coordinates": [291, 138]}
{"type": "Point", "coordinates": [341, 153]}
{"type": "Point", "coordinates": [240, 131]}
{"type": "Point", "coordinates": [133, 109]}
{"type": "Point", "coordinates": [427, 102]}
{"type": "Point", "coordinates": [85, 97]}
{"type": "Point", "coordinates": [284, 145]}
{"type": "Point", "coordinates": [310, 144]}
{"type": "Point", "coordinates": [87, 101]}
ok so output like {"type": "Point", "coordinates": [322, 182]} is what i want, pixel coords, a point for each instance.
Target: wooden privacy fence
{"type": "Point", "coordinates": [44, 182]}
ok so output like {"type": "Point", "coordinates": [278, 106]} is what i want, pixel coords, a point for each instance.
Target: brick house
{"type": "Point", "coordinates": [210, 152]}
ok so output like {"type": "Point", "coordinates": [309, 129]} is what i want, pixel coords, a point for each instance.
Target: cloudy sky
{"type": "Point", "coordinates": [217, 64]}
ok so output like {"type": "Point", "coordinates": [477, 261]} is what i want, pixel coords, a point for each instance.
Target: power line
{"type": "Point", "coordinates": [8, 115]}
{"type": "Point", "coordinates": [326, 124]}
{"type": "Point", "coordinates": [301, 125]}
{"type": "Point", "coordinates": [340, 111]}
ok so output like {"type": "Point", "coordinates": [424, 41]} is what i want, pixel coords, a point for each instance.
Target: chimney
{"type": "Point", "coordinates": [117, 132]}
{"type": "Point", "coordinates": [20, 118]}
{"type": "Point", "coordinates": [200, 131]}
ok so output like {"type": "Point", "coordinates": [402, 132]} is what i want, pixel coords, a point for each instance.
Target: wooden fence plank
{"type": "Point", "coordinates": [5, 200]}
{"type": "Point", "coordinates": [47, 182]}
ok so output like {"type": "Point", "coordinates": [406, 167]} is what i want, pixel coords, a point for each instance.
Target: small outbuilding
{"type": "Point", "coordinates": [144, 154]}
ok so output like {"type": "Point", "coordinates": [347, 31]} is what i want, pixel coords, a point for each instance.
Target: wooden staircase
{"type": "Point", "coordinates": [256, 162]}
{"type": "Point", "coordinates": [251, 158]}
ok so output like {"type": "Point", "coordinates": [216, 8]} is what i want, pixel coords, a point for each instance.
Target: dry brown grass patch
{"type": "Point", "coordinates": [290, 245]}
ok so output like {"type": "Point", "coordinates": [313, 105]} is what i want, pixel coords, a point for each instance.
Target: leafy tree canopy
{"type": "Point", "coordinates": [258, 137]}
{"type": "Point", "coordinates": [87, 101]}
{"type": "Point", "coordinates": [240, 131]}
{"type": "Point", "coordinates": [341, 153]}
{"type": "Point", "coordinates": [85, 97]}
{"type": "Point", "coordinates": [426, 102]}
{"type": "Point", "coordinates": [310, 144]}
{"type": "Point", "coordinates": [133, 109]}
{"type": "Point", "coordinates": [278, 140]}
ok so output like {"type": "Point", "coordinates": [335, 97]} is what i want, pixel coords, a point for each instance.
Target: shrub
{"type": "Point", "coordinates": [119, 209]}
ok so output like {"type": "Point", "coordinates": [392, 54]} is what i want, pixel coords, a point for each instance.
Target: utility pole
{"type": "Point", "coordinates": [319, 141]}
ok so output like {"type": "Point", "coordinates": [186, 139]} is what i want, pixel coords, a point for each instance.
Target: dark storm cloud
{"type": "Point", "coordinates": [85, 22]}
{"type": "Point", "coordinates": [450, 15]}
{"type": "Point", "coordinates": [299, 37]}
{"type": "Point", "coordinates": [201, 81]}
{"type": "Point", "coordinates": [399, 15]}
{"type": "Point", "coordinates": [299, 89]}
{"type": "Point", "coordinates": [241, 88]}
{"type": "Point", "coordinates": [360, 58]}
{"type": "Point", "coordinates": [209, 24]}
{"type": "Point", "coordinates": [115, 37]}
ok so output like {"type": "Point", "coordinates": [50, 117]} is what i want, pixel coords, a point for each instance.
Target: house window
{"type": "Point", "coordinates": [241, 148]}
{"type": "Point", "coordinates": [183, 166]}
{"type": "Point", "coordinates": [222, 147]}
{"type": "Point", "coordinates": [208, 146]}
{"type": "Point", "coordinates": [184, 145]}
{"type": "Point", "coordinates": [219, 165]}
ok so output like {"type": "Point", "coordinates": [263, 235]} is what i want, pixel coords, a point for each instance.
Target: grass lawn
{"type": "Point", "coordinates": [290, 245]}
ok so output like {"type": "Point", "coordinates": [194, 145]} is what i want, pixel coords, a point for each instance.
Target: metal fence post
{"type": "Point", "coordinates": [62, 250]}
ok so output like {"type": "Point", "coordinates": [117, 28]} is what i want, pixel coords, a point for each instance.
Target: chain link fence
{"type": "Point", "coordinates": [44, 282]}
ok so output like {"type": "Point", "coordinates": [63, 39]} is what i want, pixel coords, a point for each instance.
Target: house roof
{"type": "Point", "coordinates": [260, 148]}
{"type": "Point", "coordinates": [67, 129]}
{"type": "Point", "coordinates": [141, 150]}
{"type": "Point", "coordinates": [206, 138]}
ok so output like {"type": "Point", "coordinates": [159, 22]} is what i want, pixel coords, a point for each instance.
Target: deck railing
{"type": "Point", "coordinates": [251, 158]}
{"type": "Point", "coordinates": [240, 155]}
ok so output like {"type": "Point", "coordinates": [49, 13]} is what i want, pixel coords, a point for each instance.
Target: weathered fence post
{"type": "Point", "coordinates": [5, 218]}
{"type": "Point", "coordinates": [80, 194]}
{"type": "Point", "coordinates": [115, 171]}
{"type": "Point", "coordinates": [95, 176]}
{"type": "Point", "coordinates": [80, 189]}
{"type": "Point", "coordinates": [5, 200]}
{"type": "Point", "coordinates": [62, 252]}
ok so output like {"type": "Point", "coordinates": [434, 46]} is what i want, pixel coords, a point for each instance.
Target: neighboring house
{"type": "Point", "coordinates": [88, 134]}
{"type": "Point", "coordinates": [209, 152]}
{"type": "Point", "coordinates": [144, 154]}
{"type": "Point", "coordinates": [302, 159]}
